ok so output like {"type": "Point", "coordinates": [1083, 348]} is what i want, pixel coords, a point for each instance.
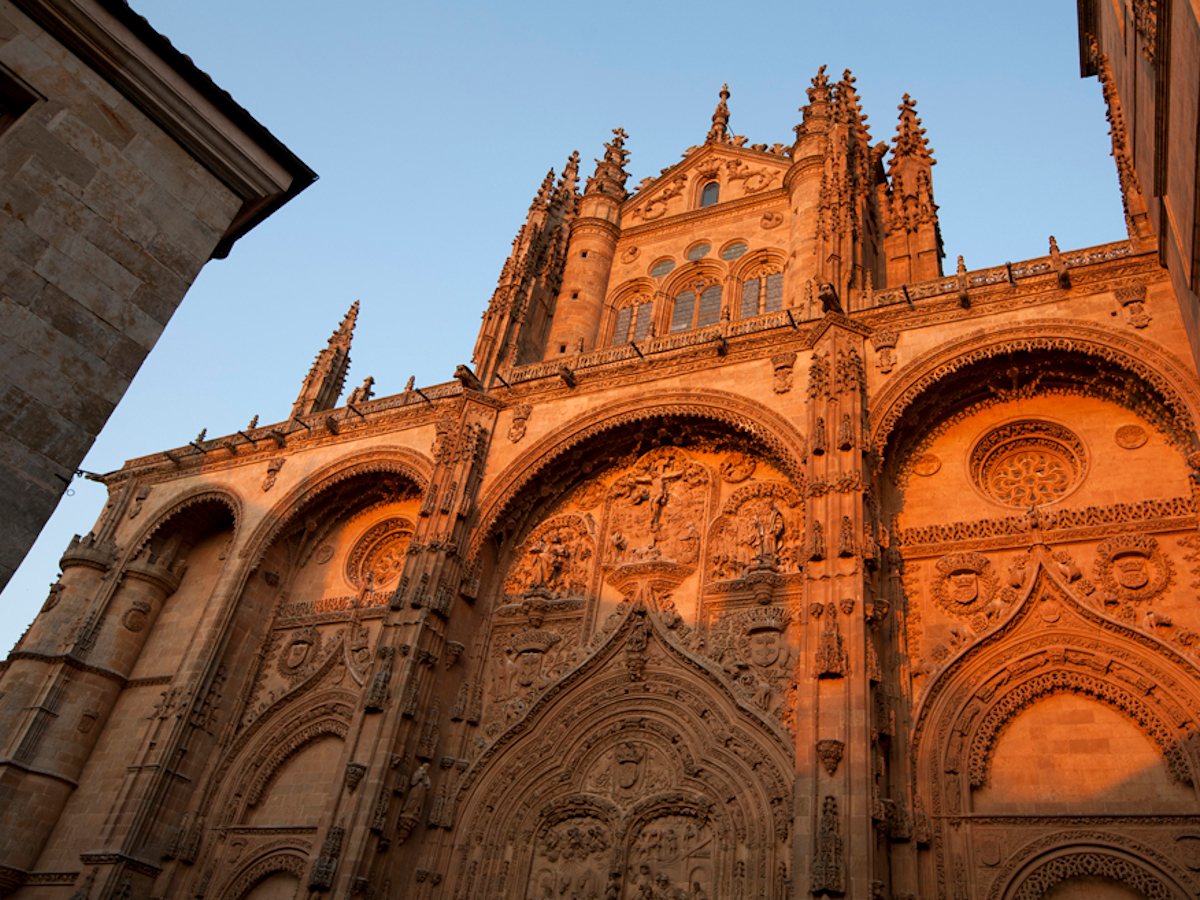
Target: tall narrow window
{"type": "Point", "coordinates": [762, 294]}
{"type": "Point", "coordinates": [632, 323]}
{"type": "Point", "coordinates": [711, 194]}
{"type": "Point", "coordinates": [691, 311]}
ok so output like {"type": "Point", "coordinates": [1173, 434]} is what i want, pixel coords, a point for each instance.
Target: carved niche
{"type": "Point", "coordinates": [655, 510]}
{"type": "Point", "coordinates": [377, 558]}
{"type": "Point", "coordinates": [760, 526]}
{"type": "Point", "coordinates": [555, 560]}
{"type": "Point", "coordinates": [1028, 463]}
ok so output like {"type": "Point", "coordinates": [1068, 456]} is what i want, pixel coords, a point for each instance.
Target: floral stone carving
{"type": "Point", "coordinates": [1028, 463]}
{"type": "Point", "coordinates": [377, 558]}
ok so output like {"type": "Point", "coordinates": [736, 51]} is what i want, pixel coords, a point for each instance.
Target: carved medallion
{"type": "Point", "coordinates": [1131, 436]}
{"type": "Point", "coordinates": [380, 553]}
{"type": "Point", "coordinates": [1028, 463]}
{"type": "Point", "coordinates": [323, 555]}
{"type": "Point", "coordinates": [136, 616]}
{"type": "Point", "coordinates": [926, 464]}
{"type": "Point", "coordinates": [300, 653]}
{"type": "Point", "coordinates": [965, 583]}
{"type": "Point", "coordinates": [1132, 567]}
{"type": "Point", "coordinates": [737, 467]}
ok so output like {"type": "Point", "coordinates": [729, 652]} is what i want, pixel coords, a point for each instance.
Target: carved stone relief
{"type": "Point", "coordinates": [761, 526]}
{"type": "Point", "coordinates": [378, 556]}
{"type": "Point", "coordinates": [571, 860]}
{"type": "Point", "coordinates": [965, 583]}
{"type": "Point", "coordinates": [555, 560]}
{"type": "Point", "coordinates": [1132, 568]}
{"type": "Point", "coordinates": [1028, 463]}
{"type": "Point", "coordinates": [655, 510]}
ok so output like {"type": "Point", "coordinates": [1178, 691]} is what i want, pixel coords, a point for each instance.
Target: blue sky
{"type": "Point", "coordinates": [432, 125]}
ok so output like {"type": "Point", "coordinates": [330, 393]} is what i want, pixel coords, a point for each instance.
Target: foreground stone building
{"type": "Point", "coordinates": [123, 170]}
{"type": "Point", "coordinates": [754, 557]}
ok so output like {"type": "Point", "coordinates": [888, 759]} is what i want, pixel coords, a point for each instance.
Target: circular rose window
{"type": "Point", "coordinates": [1028, 463]}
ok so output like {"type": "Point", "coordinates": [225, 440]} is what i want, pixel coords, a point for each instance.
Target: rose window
{"type": "Point", "coordinates": [1028, 463]}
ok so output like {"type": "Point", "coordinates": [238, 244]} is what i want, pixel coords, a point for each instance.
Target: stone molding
{"type": "Point", "coordinates": [739, 413]}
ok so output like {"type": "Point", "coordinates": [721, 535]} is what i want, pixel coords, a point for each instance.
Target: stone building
{"type": "Point", "coordinates": [1147, 56]}
{"type": "Point", "coordinates": [753, 557]}
{"type": "Point", "coordinates": [123, 169]}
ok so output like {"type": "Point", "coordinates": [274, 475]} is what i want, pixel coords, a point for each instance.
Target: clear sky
{"type": "Point", "coordinates": [431, 126]}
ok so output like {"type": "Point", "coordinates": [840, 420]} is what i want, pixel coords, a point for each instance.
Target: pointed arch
{"type": "Point", "coordinates": [680, 747]}
{"type": "Point", "coordinates": [990, 682]}
{"type": "Point", "coordinates": [738, 413]}
{"type": "Point", "coordinates": [214, 494]}
{"type": "Point", "coordinates": [416, 467]}
{"type": "Point", "coordinates": [1167, 393]}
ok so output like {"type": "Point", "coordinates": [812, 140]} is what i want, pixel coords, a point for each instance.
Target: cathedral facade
{"type": "Point", "coordinates": [754, 556]}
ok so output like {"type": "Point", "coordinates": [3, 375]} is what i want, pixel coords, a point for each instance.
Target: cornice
{"type": "Point", "coordinates": [182, 100]}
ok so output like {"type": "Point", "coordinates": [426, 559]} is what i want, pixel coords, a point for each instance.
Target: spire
{"type": "Point", "coordinates": [719, 133]}
{"type": "Point", "coordinates": [565, 190]}
{"type": "Point", "coordinates": [323, 386]}
{"type": "Point", "coordinates": [542, 197]}
{"type": "Point", "coordinates": [910, 136]}
{"type": "Point", "coordinates": [610, 174]}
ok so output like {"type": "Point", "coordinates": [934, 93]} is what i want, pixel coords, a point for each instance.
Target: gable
{"type": "Point", "coordinates": [740, 172]}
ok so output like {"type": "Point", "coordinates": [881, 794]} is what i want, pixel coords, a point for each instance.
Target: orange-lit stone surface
{"type": "Point", "coordinates": [750, 558]}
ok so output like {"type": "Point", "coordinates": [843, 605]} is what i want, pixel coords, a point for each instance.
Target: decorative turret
{"type": "Point", "coordinates": [323, 386]}
{"type": "Point", "coordinates": [832, 188]}
{"type": "Point", "coordinates": [516, 321]}
{"type": "Point", "coordinates": [912, 237]}
{"type": "Point", "coordinates": [719, 133]}
{"type": "Point", "coordinates": [589, 256]}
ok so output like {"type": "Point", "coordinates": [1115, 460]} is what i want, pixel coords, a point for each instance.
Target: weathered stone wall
{"type": "Point", "coordinates": [105, 221]}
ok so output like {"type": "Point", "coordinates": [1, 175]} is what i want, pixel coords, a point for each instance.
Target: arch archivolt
{"type": "Point", "coordinates": [967, 707]}
{"type": "Point", "coordinates": [223, 495]}
{"type": "Point", "coordinates": [416, 467]}
{"type": "Point", "coordinates": [1038, 866]}
{"type": "Point", "coordinates": [738, 413]}
{"type": "Point", "coordinates": [244, 775]}
{"type": "Point", "coordinates": [664, 774]}
{"type": "Point", "coordinates": [267, 862]}
{"type": "Point", "coordinates": [1163, 377]}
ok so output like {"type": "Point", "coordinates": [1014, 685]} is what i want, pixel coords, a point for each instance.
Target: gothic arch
{"type": "Point", "coordinates": [731, 410]}
{"type": "Point", "coordinates": [710, 269]}
{"type": "Point", "coordinates": [409, 463]}
{"type": "Point", "coordinates": [291, 860]}
{"type": "Point", "coordinates": [679, 749]}
{"type": "Point", "coordinates": [1171, 401]}
{"type": "Point", "coordinates": [209, 494]}
{"type": "Point", "coordinates": [767, 257]}
{"type": "Point", "coordinates": [243, 775]}
{"type": "Point", "coordinates": [1039, 866]}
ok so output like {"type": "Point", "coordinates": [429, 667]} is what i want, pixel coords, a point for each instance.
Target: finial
{"type": "Point", "coordinates": [719, 133]}
{"type": "Point", "coordinates": [408, 385]}
{"type": "Point", "coordinates": [253, 422]}
{"type": "Point", "coordinates": [200, 436]}
{"type": "Point", "coordinates": [1053, 246]}
{"type": "Point", "coordinates": [962, 267]}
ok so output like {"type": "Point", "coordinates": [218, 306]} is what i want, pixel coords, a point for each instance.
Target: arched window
{"type": "Point", "coordinates": [696, 307]}
{"type": "Point", "coordinates": [711, 194]}
{"type": "Point", "coordinates": [632, 322]}
{"type": "Point", "coordinates": [763, 293]}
